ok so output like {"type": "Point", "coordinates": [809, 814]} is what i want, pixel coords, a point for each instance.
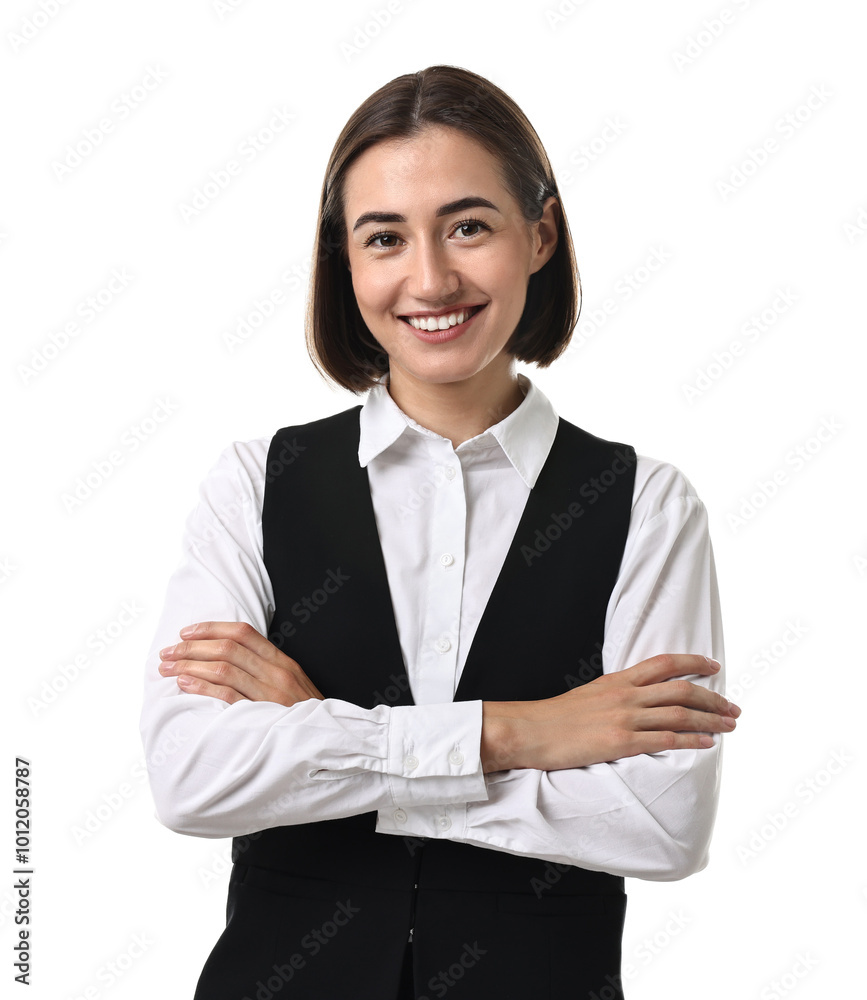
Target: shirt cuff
{"type": "Point", "coordinates": [434, 754]}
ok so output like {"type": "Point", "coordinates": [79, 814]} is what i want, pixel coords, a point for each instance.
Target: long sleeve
{"type": "Point", "coordinates": [648, 816]}
{"type": "Point", "coordinates": [219, 770]}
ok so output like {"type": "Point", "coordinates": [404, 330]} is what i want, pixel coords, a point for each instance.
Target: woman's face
{"type": "Point", "coordinates": [435, 239]}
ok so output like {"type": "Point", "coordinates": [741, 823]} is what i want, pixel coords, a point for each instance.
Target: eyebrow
{"type": "Point", "coordinates": [471, 201]}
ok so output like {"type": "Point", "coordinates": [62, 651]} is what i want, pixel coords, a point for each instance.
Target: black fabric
{"type": "Point", "coordinates": [505, 925]}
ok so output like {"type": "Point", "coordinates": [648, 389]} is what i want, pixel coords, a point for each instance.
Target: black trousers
{"type": "Point", "coordinates": [407, 991]}
{"type": "Point", "coordinates": [295, 938]}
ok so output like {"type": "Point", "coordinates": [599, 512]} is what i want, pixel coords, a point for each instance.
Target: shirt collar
{"type": "Point", "coordinates": [525, 435]}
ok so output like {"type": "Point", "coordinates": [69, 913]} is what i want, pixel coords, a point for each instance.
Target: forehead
{"type": "Point", "coordinates": [434, 167]}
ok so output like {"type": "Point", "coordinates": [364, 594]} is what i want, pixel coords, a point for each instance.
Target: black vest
{"type": "Point", "coordinates": [541, 634]}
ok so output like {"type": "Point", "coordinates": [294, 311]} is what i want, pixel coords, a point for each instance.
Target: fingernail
{"type": "Point", "coordinates": [733, 709]}
{"type": "Point", "coordinates": [167, 651]}
{"type": "Point", "coordinates": [730, 722]}
{"type": "Point", "coordinates": [188, 630]}
{"type": "Point", "coordinates": [715, 664]}
{"type": "Point", "coordinates": [185, 682]}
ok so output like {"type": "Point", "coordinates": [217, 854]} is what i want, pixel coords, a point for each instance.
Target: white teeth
{"type": "Point", "coordinates": [432, 323]}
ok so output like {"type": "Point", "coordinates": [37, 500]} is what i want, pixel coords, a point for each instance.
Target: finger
{"type": "Point", "coordinates": [660, 742]}
{"type": "Point", "coordinates": [683, 692]}
{"type": "Point", "coordinates": [677, 719]}
{"type": "Point", "coordinates": [242, 633]}
{"type": "Point", "coordinates": [226, 650]}
{"type": "Point", "coordinates": [217, 673]}
{"type": "Point", "coordinates": [197, 685]}
{"type": "Point", "coordinates": [281, 686]}
{"type": "Point", "coordinates": [669, 665]}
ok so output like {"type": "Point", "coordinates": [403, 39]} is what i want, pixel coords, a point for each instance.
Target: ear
{"type": "Point", "coordinates": [545, 234]}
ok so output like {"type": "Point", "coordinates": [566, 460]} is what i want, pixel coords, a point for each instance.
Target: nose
{"type": "Point", "coordinates": [432, 275]}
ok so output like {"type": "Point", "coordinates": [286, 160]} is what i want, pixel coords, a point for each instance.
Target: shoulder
{"type": "Point", "coordinates": [661, 489]}
{"type": "Point", "coordinates": [242, 466]}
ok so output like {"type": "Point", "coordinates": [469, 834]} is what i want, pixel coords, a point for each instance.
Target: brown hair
{"type": "Point", "coordinates": [338, 340]}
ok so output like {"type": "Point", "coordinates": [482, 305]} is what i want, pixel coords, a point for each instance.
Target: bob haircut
{"type": "Point", "coordinates": [338, 340]}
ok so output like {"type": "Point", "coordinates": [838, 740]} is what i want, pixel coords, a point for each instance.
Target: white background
{"type": "Point", "coordinates": [783, 899]}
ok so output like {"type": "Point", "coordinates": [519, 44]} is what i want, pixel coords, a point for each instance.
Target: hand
{"type": "Point", "coordinates": [634, 711]}
{"type": "Point", "coordinates": [233, 662]}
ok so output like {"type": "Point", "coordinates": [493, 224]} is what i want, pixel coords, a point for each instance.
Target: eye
{"type": "Point", "coordinates": [382, 234]}
{"type": "Point", "coordinates": [467, 229]}
{"type": "Point", "coordinates": [472, 224]}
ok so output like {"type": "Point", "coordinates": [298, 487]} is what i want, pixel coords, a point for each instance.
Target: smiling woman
{"type": "Point", "coordinates": [437, 690]}
{"type": "Point", "coordinates": [443, 293]}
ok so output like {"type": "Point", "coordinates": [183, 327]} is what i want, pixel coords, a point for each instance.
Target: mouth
{"type": "Point", "coordinates": [443, 322]}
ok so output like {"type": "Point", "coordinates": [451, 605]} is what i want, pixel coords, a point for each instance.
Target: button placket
{"type": "Point", "coordinates": [444, 571]}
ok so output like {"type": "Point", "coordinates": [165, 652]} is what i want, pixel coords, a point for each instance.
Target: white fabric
{"type": "Point", "coordinates": [446, 518]}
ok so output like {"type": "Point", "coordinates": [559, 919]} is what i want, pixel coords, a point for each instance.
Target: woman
{"type": "Point", "coordinates": [469, 720]}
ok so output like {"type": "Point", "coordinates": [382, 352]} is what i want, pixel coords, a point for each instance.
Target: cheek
{"type": "Point", "coordinates": [373, 291]}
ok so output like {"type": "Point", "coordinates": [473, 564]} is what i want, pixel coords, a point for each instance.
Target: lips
{"type": "Point", "coordinates": [449, 333]}
{"type": "Point", "coordinates": [444, 321]}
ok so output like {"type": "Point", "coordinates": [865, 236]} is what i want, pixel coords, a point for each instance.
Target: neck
{"type": "Point", "coordinates": [458, 410]}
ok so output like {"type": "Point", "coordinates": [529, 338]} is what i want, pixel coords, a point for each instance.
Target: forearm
{"type": "Point", "coordinates": [235, 769]}
{"type": "Point", "coordinates": [499, 736]}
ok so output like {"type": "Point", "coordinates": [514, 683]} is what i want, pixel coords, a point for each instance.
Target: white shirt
{"type": "Point", "coordinates": [446, 517]}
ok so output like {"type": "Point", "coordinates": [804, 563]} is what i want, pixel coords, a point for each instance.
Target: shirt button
{"type": "Point", "coordinates": [400, 815]}
{"type": "Point", "coordinates": [450, 472]}
{"type": "Point", "coordinates": [410, 762]}
{"type": "Point", "coordinates": [456, 757]}
{"type": "Point", "coordinates": [442, 645]}
{"type": "Point", "coordinates": [444, 822]}
{"type": "Point", "coordinates": [447, 558]}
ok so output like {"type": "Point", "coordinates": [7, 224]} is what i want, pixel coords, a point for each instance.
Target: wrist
{"type": "Point", "coordinates": [500, 743]}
